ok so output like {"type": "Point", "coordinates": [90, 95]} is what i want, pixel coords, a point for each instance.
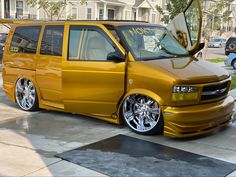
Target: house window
{"type": "Point", "coordinates": [101, 13]}
{"type": "Point", "coordinates": [89, 13]}
{"type": "Point", "coordinates": [111, 14]}
{"type": "Point", "coordinates": [127, 15]}
{"type": "Point", "coordinates": [19, 7]}
{"type": "Point", "coordinates": [165, 3]}
{"type": "Point", "coordinates": [153, 18]}
{"type": "Point", "coordinates": [74, 13]}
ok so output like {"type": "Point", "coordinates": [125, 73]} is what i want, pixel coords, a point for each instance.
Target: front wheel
{"type": "Point", "coordinates": [142, 114]}
{"type": "Point", "coordinates": [26, 95]}
{"type": "Point", "coordinates": [234, 63]}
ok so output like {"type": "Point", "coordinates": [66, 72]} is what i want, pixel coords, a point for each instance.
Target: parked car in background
{"type": "Point", "coordinates": [230, 46]}
{"type": "Point", "coordinates": [217, 43]}
{"type": "Point", "coordinates": [3, 37]}
{"type": "Point", "coordinates": [231, 60]}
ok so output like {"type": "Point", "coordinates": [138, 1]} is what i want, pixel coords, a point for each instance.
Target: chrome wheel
{"type": "Point", "coordinates": [141, 113]}
{"type": "Point", "coordinates": [25, 94]}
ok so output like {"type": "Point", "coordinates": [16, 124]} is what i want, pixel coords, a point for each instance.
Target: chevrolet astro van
{"type": "Point", "coordinates": [142, 74]}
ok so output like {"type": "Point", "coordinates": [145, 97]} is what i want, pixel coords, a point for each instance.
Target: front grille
{"type": "Point", "coordinates": [214, 91]}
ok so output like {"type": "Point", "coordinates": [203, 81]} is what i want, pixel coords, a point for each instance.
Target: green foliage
{"type": "Point", "coordinates": [51, 8]}
{"type": "Point", "coordinates": [173, 8]}
{"type": "Point", "coordinates": [216, 60]}
{"type": "Point", "coordinates": [233, 83]}
{"type": "Point", "coordinates": [216, 14]}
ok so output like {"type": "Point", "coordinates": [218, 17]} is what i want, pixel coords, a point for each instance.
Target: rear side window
{"type": "Point", "coordinates": [52, 41]}
{"type": "Point", "coordinates": [25, 39]}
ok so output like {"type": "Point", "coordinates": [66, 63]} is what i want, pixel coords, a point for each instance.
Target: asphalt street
{"type": "Point", "coordinates": [211, 53]}
{"type": "Point", "coordinates": [29, 141]}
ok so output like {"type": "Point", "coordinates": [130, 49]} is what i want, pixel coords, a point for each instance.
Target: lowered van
{"type": "Point", "coordinates": [142, 74]}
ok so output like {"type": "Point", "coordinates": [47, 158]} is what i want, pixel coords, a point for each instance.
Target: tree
{"type": "Point", "coordinates": [215, 14]}
{"type": "Point", "coordinates": [173, 8]}
{"type": "Point", "coordinates": [50, 7]}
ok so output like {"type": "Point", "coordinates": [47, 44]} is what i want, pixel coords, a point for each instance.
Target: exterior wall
{"type": "Point", "coordinates": [123, 10]}
{"type": "Point", "coordinates": [2, 9]}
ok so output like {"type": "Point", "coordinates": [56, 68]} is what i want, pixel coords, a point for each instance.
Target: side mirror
{"type": "Point", "coordinates": [115, 57]}
{"type": "Point", "coordinates": [201, 46]}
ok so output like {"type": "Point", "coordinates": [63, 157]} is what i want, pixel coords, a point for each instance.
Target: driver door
{"type": "Point", "coordinates": [92, 84]}
{"type": "Point", "coordinates": [186, 26]}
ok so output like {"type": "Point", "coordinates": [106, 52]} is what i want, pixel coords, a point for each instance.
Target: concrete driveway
{"type": "Point", "coordinates": [29, 141]}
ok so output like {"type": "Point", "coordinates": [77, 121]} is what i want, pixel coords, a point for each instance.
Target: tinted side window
{"type": "Point", "coordinates": [231, 40]}
{"type": "Point", "coordinates": [74, 42]}
{"type": "Point", "coordinates": [25, 39]}
{"type": "Point", "coordinates": [52, 41]}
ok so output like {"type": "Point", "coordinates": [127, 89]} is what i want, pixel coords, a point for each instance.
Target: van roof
{"type": "Point", "coordinates": [105, 22]}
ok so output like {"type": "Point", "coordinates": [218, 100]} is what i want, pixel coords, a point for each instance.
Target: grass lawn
{"type": "Point", "coordinates": [233, 85]}
{"type": "Point", "coordinates": [216, 60]}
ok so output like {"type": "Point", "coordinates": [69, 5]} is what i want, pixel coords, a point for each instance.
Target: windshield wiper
{"type": "Point", "coordinates": [165, 57]}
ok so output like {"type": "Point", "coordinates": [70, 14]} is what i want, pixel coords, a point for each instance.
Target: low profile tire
{"type": "Point", "coordinates": [142, 114]}
{"type": "Point", "coordinates": [26, 95]}
{"type": "Point", "coordinates": [234, 63]}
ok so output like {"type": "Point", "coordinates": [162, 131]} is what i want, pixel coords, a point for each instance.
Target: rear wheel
{"type": "Point", "coordinates": [26, 95]}
{"type": "Point", "coordinates": [142, 114]}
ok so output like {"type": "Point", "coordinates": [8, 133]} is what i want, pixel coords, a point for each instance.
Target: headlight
{"type": "Point", "coordinates": [184, 89]}
{"type": "Point", "coordinates": [184, 93]}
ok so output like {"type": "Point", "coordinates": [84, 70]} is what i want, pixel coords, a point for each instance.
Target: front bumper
{"type": "Point", "coordinates": [198, 119]}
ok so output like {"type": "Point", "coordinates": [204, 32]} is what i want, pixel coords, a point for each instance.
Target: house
{"type": "Point", "coordinates": [142, 10]}
{"type": "Point", "coordinates": [216, 26]}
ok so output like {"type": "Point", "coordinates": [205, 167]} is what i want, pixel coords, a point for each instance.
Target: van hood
{"type": "Point", "coordinates": [189, 70]}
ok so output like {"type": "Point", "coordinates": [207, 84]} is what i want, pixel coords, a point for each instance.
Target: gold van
{"type": "Point", "coordinates": [142, 74]}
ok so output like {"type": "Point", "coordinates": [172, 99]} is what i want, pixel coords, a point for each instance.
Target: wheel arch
{"type": "Point", "coordinates": [32, 79]}
{"type": "Point", "coordinates": [145, 92]}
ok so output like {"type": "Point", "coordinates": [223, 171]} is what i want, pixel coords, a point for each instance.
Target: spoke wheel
{"type": "Point", "coordinates": [26, 95]}
{"type": "Point", "coordinates": [142, 114]}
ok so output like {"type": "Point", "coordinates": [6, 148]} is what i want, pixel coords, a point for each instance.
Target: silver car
{"type": "Point", "coordinates": [217, 43]}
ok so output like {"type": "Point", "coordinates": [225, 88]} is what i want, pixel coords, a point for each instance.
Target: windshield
{"type": "Point", "coordinates": [151, 42]}
{"type": "Point", "coordinates": [216, 40]}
